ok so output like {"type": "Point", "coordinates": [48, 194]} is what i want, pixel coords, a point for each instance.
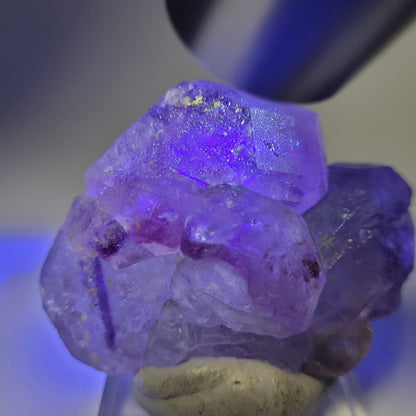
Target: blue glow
{"type": "Point", "coordinates": [33, 357]}
{"type": "Point", "coordinates": [22, 253]}
{"type": "Point", "coordinates": [380, 362]}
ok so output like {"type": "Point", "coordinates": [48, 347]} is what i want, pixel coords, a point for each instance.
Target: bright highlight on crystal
{"type": "Point", "coordinates": [210, 229]}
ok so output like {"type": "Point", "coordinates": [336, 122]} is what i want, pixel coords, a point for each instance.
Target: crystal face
{"type": "Point", "coordinates": [260, 237]}
{"type": "Point", "coordinates": [209, 229]}
{"type": "Point", "coordinates": [364, 235]}
{"type": "Point", "coordinates": [202, 133]}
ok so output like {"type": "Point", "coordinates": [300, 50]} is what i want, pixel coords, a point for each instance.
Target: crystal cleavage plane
{"type": "Point", "coordinates": [213, 227]}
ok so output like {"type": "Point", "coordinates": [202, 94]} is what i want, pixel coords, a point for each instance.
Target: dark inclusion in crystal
{"type": "Point", "coordinates": [364, 235]}
{"type": "Point", "coordinates": [311, 269]}
{"type": "Point", "coordinates": [209, 229]}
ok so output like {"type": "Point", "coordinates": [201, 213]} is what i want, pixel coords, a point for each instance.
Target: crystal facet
{"type": "Point", "coordinates": [200, 134]}
{"type": "Point", "coordinates": [364, 234]}
{"type": "Point", "coordinates": [190, 241]}
{"type": "Point", "coordinates": [260, 237]}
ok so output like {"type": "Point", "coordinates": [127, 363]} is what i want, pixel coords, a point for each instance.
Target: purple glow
{"type": "Point", "coordinates": [190, 241]}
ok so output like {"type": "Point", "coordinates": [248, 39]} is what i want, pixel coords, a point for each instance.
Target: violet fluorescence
{"type": "Point", "coordinates": [211, 228]}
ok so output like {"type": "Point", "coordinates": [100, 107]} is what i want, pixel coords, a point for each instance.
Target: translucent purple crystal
{"type": "Point", "coordinates": [174, 340]}
{"type": "Point", "coordinates": [190, 241]}
{"type": "Point", "coordinates": [201, 134]}
{"type": "Point", "coordinates": [260, 237]}
{"type": "Point", "coordinates": [103, 314]}
{"type": "Point", "coordinates": [364, 234]}
{"type": "Point", "coordinates": [365, 237]}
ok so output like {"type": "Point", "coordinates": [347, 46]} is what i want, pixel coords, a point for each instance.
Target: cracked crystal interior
{"type": "Point", "coordinates": [213, 227]}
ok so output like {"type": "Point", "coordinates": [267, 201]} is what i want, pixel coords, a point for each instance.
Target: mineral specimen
{"type": "Point", "coordinates": [364, 235]}
{"type": "Point", "coordinates": [208, 229]}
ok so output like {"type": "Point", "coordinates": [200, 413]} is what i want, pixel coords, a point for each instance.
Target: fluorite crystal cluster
{"type": "Point", "coordinates": [213, 227]}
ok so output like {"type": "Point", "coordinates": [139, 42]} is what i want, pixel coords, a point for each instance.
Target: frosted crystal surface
{"type": "Point", "coordinates": [190, 241]}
